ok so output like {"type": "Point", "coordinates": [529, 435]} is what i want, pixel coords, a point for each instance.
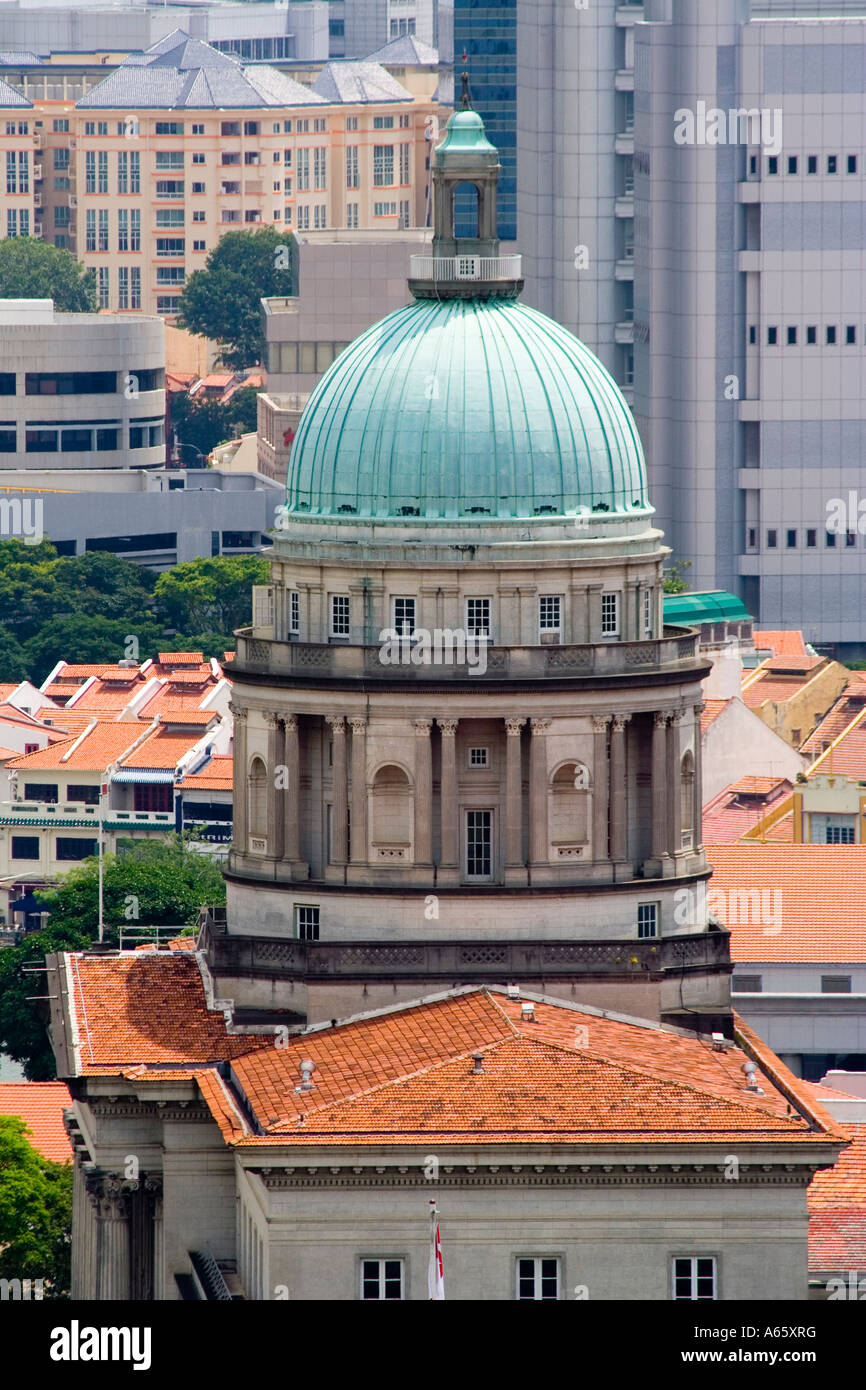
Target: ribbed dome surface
{"type": "Point", "coordinates": [462, 408]}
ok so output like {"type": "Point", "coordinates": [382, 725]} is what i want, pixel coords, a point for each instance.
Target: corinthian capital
{"type": "Point", "coordinates": [336, 723]}
{"type": "Point", "coordinates": [513, 727]}
{"type": "Point", "coordinates": [448, 727]}
{"type": "Point", "coordinates": [619, 722]}
{"type": "Point", "coordinates": [540, 726]}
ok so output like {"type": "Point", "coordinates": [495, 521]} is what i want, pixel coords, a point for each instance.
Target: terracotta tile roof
{"type": "Point", "coordinates": [68, 721]}
{"type": "Point", "coordinates": [6, 690]}
{"type": "Point", "coordinates": [848, 708]}
{"type": "Point", "coordinates": [164, 748]}
{"type": "Point", "coordinates": [781, 643]}
{"type": "Point", "coordinates": [837, 1210]}
{"type": "Point", "coordinates": [133, 1008]}
{"type": "Point", "coordinates": [740, 807]}
{"type": "Point", "coordinates": [6, 753]}
{"type": "Point", "coordinates": [228, 656]}
{"type": "Point", "coordinates": [216, 776]}
{"type": "Point", "coordinates": [201, 676]}
{"type": "Point", "coordinates": [106, 743]}
{"type": "Point", "coordinates": [847, 753]}
{"type": "Point", "coordinates": [764, 687]}
{"type": "Point", "coordinates": [170, 659]}
{"type": "Point", "coordinates": [71, 671]}
{"type": "Point", "coordinates": [711, 711]}
{"type": "Point", "coordinates": [11, 714]}
{"type": "Point", "coordinates": [40, 1104]}
{"type": "Point", "coordinates": [818, 891]}
{"type": "Point", "coordinates": [190, 718]}
{"type": "Point", "coordinates": [792, 665]}
{"type": "Point", "coordinates": [758, 786]}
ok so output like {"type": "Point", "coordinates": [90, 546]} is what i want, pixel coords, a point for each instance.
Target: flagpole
{"type": "Point", "coordinates": [435, 1267]}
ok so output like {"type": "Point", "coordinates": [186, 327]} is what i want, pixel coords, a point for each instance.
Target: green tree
{"type": "Point", "coordinates": [88, 639]}
{"type": "Point", "coordinates": [210, 595]}
{"type": "Point", "coordinates": [35, 1212]}
{"type": "Point", "coordinates": [243, 410]}
{"type": "Point", "coordinates": [23, 1032]}
{"type": "Point", "coordinates": [13, 659]}
{"type": "Point", "coordinates": [221, 301]}
{"type": "Point", "coordinates": [672, 580]}
{"type": "Point", "coordinates": [199, 423]}
{"type": "Point", "coordinates": [31, 268]}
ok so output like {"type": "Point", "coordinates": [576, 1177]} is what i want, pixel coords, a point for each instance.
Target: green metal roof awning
{"type": "Point", "coordinates": [713, 606]}
{"type": "Point", "coordinates": [144, 774]}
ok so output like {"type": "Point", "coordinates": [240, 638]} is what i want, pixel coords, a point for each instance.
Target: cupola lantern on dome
{"type": "Point", "coordinates": [466, 404]}
{"type": "Point", "coordinates": [465, 267]}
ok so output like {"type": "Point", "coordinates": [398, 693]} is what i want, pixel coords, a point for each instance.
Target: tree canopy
{"type": "Point", "coordinates": [222, 301]}
{"type": "Point", "coordinates": [35, 1212]}
{"type": "Point", "coordinates": [211, 595]}
{"type": "Point", "coordinates": [204, 423]}
{"type": "Point", "coordinates": [31, 268]}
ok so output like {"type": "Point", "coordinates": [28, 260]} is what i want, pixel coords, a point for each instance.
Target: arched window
{"type": "Point", "coordinates": [569, 811]}
{"type": "Point", "coordinates": [687, 800]}
{"type": "Point", "coordinates": [391, 815]}
{"type": "Point", "coordinates": [258, 794]}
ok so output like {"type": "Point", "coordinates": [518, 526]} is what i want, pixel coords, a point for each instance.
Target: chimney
{"type": "Point", "coordinates": [527, 1011]}
{"type": "Point", "coordinates": [307, 1069]}
{"type": "Point", "coordinates": [477, 1068]}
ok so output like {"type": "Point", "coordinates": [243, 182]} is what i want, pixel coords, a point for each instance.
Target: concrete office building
{"type": "Point", "coordinates": [156, 517]}
{"type": "Point", "coordinates": [357, 27]}
{"type": "Point", "coordinates": [253, 32]}
{"type": "Point", "coordinates": [80, 390]}
{"type": "Point", "coordinates": [750, 316]}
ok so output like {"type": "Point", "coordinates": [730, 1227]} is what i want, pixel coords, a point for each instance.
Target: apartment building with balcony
{"type": "Point", "coordinates": [182, 144]}
{"type": "Point", "coordinates": [21, 165]}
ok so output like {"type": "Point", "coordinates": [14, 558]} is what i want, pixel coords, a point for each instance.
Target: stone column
{"type": "Point", "coordinates": [112, 1258]}
{"type": "Point", "coordinates": [659, 784]}
{"type": "Point", "coordinates": [423, 794]}
{"type": "Point", "coordinates": [618, 792]}
{"type": "Point", "coordinates": [449, 865]}
{"type": "Point", "coordinates": [539, 843]}
{"type": "Point", "coordinates": [276, 797]}
{"type": "Point", "coordinates": [698, 810]}
{"type": "Point", "coordinates": [514, 866]}
{"type": "Point", "coordinates": [600, 787]}
{"type": "Point", "coordinates": [292, 793]}
{"type": "Point", "coordinates": [337, 725]}
{"type": "Point", "coordinates": [153, 1186]}
{"type": "Point", "coordinates": [239, 796]}
{"type": "Point", "coordinates": [359, 790]}
{"type": "Point", "coordinates": [674, 831]}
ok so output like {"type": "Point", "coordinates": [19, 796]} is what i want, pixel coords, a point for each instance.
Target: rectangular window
{"type": "Point", "coordinates": [102, 179]}
{"type": "Point", "coordinates": [549, 615]}
{"type": "Point", "coordinates": [61, 127]}
{"type": "Point", "coordinates": [170, 128]}
{"type": "Point", "coordinates": [792, 164]}
{"type": "Point", "coordinates": [170, 246]}
{"type": "Point", "coordinates": [383, 165]}
{"type": "Point", "coordinates": [294, 612]}
{"type": "Point", "coordinates": [61, 159]}
{"type": "Point", "coordinates": [773, 164]}
{"type": "Point", "coordinates": [123, 287]}
{"type": "Point", "coordinates": [850, 333]}
{"type": "Point", "coordinates": [153, 796]}
{"type": "Point", "coordinates": [647, 612]}
{"type": "Point", "coordinates": [852, 164]}
{"type": "Point", "coordinates": [123, 172]}
{"type": "Point", "coordinates": [199, 246]}
{"type": "Point", "coordinates": [479, 844]}
{"type": "Point", "coordinates": [791, 334]}
{"type": "Point", "coordinates": [197, 129]}
{"type": "Point", "coordinates": [747, 984]}
{"type": "Point", "coordinates": [352, 175]}
{"type": "Point", "coordinates": [839, 835]}
{"type": "Point", "coordinates": [90, 229]}
{"type": "Point", "coordinates": [537, 1278]}
{"type": "Point", "coordinates": [320, 165]}
{"type": "Point", "coordinates": [772, 336]}
{"type": "Point", "coordinates": [753, 334]}
{"type": "Point", "coordinates": [102, 244]}
{"type": "Point", "coordinates": [384, 209]}
{"type": "Point", "coordinates": [772, 537]}
{"type": "Point", "coordinates": [169, 159]}
{"type": "Point", "coordinates": [610, 615]}
{"type": "Point", "coordinates": [791, 540]}
{"type": "Point", "coordinates": [647, 920]}
{"type": "Point", "coordinates": [478, 617]}
{"type": "Point", "coordinates": [320, 217]}
{"type": "Point", "coordinates": [352, 215]}
{"type": "Point", "coordinates": [383, 122]}
{"type": "Point", "coordinates": [339, 615]}
{"type": "Point", "coordinates": [835, 984]}
{"type": "Point", "coordinates": [832, 164]}
{"type": "Point", "coordinates": [303, 219]}
{"type": "Point", "coordinates": [381, 1278]}
{"type": "Point", "coordinates": [198, 159]}
{"type": "Point", "coordinates": [478, 757]}
{"type": "Point", "coordinates": [74, 848]}
{"type": "Point", "coordinates": [104, 292]}
{"type": "Point", "coordinates": [167, 304]}
{"type": "Point", "coordinates": [831, 335]}
{"type": "Point", "coordinates": [404, 163]}
{"type": "Point", "coordinates": [170, 274]}
{"type": "Point", "coordinates": [811, 333]}
{"type": "Point", "coordinates": [25, 846]}
{"type": "Point", "coordinates": [135, 173]}
{"type": "Point", "coordinates": [306, 922]}
{"type": "Point", "coordinates": [196, 188]}
{"type": "Point", "coordinates": [40, 791]}
{"type": "Point", "coordinates": [694, 1277]}
{"type": "Point", "coordinates": [812, 164]}
{"type": "Point", "coordinates": [403, 613]}
{"type": "Point", "coordinates": [830, 540]}
{"type": "Point", "coordinates": [303, 170]}
{"type": "Point", "coordinates": [89, 171]}
{"type": "Point", "coordinates": [134, 292]}
{"type": "Point", "coordinates": [170, 217]}
{"type": "Point", "coordinates": [24, 172]}
{"type": "Point", "coordinates": [123, 229]}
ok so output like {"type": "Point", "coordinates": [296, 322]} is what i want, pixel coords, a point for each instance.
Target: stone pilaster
{"type": "Point", "coordinates": [697, 790]}
{"type": "Point", "coordinates": [292, 798]}
{"type": "Point", "coordinates": [449, 861]}
{"type": "Point", "coordinates": [515, 868]}
{"type": "Point", "coordinates": [339, 776]}
{"type": "Point", "coordinates": [674, 826]}
{"type": "Point", "coordinates": [358, 838]}
{"type": "Point", "coordinates": [276, 797]}
{"type": "Point", "coordinates": [423, 794]}
{"type": "Point", "coordinates": [600, 788]}
{"type": "Point", "coordinates": [240, 793]}
{"type": "Point", "coordinates": [539, 839]}
{"type": "Point", "coordinates": [659, 785]}
{"type": "Point", "coordinates": [618, 790]}
{"type": "Point", "coordinates": [111, 1196]}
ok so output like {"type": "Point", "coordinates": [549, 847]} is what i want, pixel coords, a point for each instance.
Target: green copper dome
{"type": "Point", "coordinates": [466, 408]}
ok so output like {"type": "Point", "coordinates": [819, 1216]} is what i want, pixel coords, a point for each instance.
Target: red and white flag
{"type": "Point", "coordinates": [435, 1268]}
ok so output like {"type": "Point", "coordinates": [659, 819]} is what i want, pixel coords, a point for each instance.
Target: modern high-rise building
{"type": "Point", "coordinates": [487, 34]}
{"type": "Point", "coordinates": [750, 304]}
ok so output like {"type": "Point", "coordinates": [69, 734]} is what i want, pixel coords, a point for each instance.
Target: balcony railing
{"type": "Point", "coordinates": [465, 267]}
{"type": "Point", "coordinates": [41, 814]}
{"type": "Point", "coordinates": [310, 661]}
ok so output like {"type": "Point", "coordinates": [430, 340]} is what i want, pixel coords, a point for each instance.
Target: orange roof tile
{"type": "Point", "coordinates": [6, 753]}
{"type": "Point", "coordinates": [164, 748]}
{"type": "Point", "coordinates": [787, 643]}
{"type": "Point", "coordinates": [771, 687]}
{"type": "Point", "coordinates": [216, 776]}
{"type": "Point", "coordinates": [837, 1209]}
{"type": "Point", "coordinates": [846, 754]}
{"type": "Point", "coordinates": [785, 902]}
{"type": "Point", "coordinates": [104, 744]}
{"type": "Point", "coordinates": [848, 708]}
{"type": "Point", "coordinates": [711, 711]}
{"type": "Point", "coordinates": [181, 659]}
{"type": "Point", "coordinates": [40, 1104]}
{"type": "Point", "coordinates": [758, 786]}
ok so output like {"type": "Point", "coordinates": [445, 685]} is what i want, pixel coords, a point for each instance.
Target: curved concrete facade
{"type": "Point", "coordinates": [80, 390]}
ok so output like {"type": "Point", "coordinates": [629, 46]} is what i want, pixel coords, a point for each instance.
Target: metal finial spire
{"type": "Point", "coordinates": [465, 100]}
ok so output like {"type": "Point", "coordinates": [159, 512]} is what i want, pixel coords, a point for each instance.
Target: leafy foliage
{"type": "Point", "coordinates": [204, 423]}
{"type": "Point", "coordinates": [23, 1033]}
{"type": "Point", "coordinates": [673, 581]}
{"type": "Point", "coordinates": [211, 595]}
{"type": "Point", "coordinates": [35, 1212]}
{"type": "Point", "coordinates": [222, 301]}
{"type": "Point", "coordinates": [31, 268]}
